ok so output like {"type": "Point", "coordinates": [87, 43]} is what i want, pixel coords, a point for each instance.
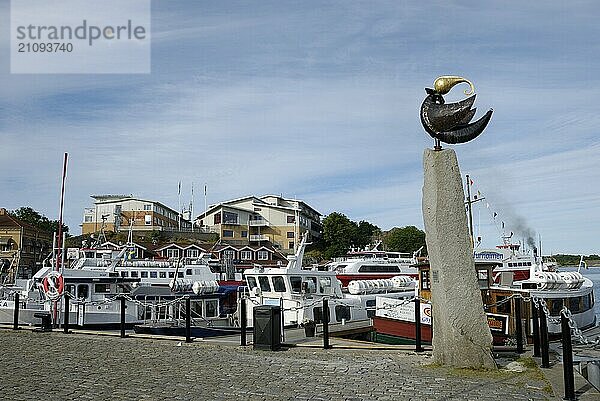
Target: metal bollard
{"type": "Point", "coordinates": [418, 347]}
{"type": "Point", "coordinates": [567, 358]}
{"type": "Point", "coordinates": [188, 320]}
{"type": "Point", "coordinates": [536, 329]}
{"type": "Point", "coordinates": [243, 321]}
{"type": "Point", "coordinates": [66, 316]}
{"type": "Point", "coordinates": [326, 324]}
{"type": "Point", "coordinates": [544, 338]}
{"type": "Point", "coordinates": [122, 317]}
{"type": "Point", "coordinates": [16, 313]}
{"type": "Point", "coordinates": [519, 325]}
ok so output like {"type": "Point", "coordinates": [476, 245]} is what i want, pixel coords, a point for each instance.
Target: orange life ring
{"type": "Point", "coordinates": [54, 285]}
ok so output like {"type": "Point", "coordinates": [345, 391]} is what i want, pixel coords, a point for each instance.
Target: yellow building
{"type": "Point", "coordinates": [269, 218]}
{"type": "Point", "coordinates": [117, 212]}
{"type": "Point", "coordinates": [23, 248]}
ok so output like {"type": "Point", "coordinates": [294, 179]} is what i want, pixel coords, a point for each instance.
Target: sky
{"type": "Point", "coordinates": [319, 101]}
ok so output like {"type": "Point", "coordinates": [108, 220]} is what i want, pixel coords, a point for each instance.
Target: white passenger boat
{"type": "Point", "coordinates": [300, 292]}
{"type": "Point", "coordinates": [513, 271]}
{"type": "Point", "coordinates": [371, 264]}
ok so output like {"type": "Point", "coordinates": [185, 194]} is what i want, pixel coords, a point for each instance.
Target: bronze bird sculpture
{"type": "Point", "coordinates": [451, 123]}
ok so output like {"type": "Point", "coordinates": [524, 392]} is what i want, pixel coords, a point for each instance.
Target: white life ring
{"type": "Point", "coordinates": [54, 285]}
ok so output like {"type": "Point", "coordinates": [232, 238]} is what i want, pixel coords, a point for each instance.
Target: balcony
{"type": "Point", "coordinates": [258, 223]}
{"type": "Point", "coordinates": [258, 238]}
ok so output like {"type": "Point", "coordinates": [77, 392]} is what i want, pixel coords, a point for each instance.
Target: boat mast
{"type": "Point", "coordinates": [469, 202]}
{"type": "Point", "coordinates": [59, 237]}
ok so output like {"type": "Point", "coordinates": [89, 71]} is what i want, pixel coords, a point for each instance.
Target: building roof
{"type": "Point", "coordinates": [258, 201]}
{"type": "Point", "coordinates": [7, 220]}
{"type": "Point", "coordinates": [103, 199]}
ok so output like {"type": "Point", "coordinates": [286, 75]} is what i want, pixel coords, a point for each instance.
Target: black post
{"type": "Point", "coordinates": [243, 321]}
{"type": "Point", "coordinates": [326, 324]}
{"type": "Point", "coordinates": [16, 313]}
{"type": "Point", "coordinates": [418, 347]}
{"type": "Point", "coordinates": [544, 337]}
{"type": "Point", "coordinates": [536, 329]}
{"type": "Point", "coordinates": [567, 358]}
{"type": "Point", "coordinates": [122, 317]}
{"type": "Point", "coordinates": [188, 320]}
{"type": "Point", "coordinates": [66, 316]}
{"type": "Point", "coordinates": [519, 325]}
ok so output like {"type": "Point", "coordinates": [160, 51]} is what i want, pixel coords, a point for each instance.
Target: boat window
{"type": "Point", "coordinates": [555, 306]}
{"type": "Point", "coordinates": [83, 291]}
{"type": "Point", "coordinates": [144, 274]}
{"type": "Point", "coordinates": [251, 282]}
{"type": "Point", "coordinates": [188, 272]}
{"type": "Point", "coordinates": [278, 284]}
{"type": "Point", "coordinates": [296, 283]}
{"type": "Point", "coordinates": [162, 274]}
{"type": "Point", "coordinates": [318, 314]}
{"type": "Point", "coordinates": [134, 273]}
{"type": "Point", "coordinates": [310, 285]}
{"type": "Point", "coordinates": [342, 312]}
{"type": "Point", "coordinates": [370, 304]}
{"type": "Point", "coordinates": [379, 269]}
{"type": "Point", "coordinates": [586, 302]}
{"type": "Point", "coordinates": [196, 309]}
{"type": "Point", "coordinates": [153, 274]}
{"type": "Point", "coordinates": [574, 304]}
{"type": "Point", "coordinates": [211, 308]}
{"type": "Point", "coordinates": [528, 263]}
{"type": "Point", "coordinates": [171, 274]}
{"type": "Point", "coordinates": [510, 264]}
{"type": "Point", "coordinates": [264, 283]}
{"type": "Point", "coordinates": [179, 274]}
{"type": "Point", "coordinates": [102, 288]}
{"type": "Point", "coordinates": [124, 274]}
{"type": "Point", "coordinates": [325, 284]}
{"type": "Point", "coordinates": [503, 307]}
{"type": "Point", "coordinates": [70, 289]}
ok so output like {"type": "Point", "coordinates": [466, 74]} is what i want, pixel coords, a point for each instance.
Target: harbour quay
{"type": "Point", "coordinates": [55, 366]}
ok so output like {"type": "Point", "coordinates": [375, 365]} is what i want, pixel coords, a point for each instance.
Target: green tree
{"type": "Point", "coordinates": [339, 234]}
{"type": "Point", "coordinates": [38, 220]}
{"type": "Point", "coordinates": [366, 233]}
{"type": "Point", "coordinates": [405, 239]}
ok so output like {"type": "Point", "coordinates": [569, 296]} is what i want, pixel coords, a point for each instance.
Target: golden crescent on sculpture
{"type": "Point", "coordinates": [443, 84]}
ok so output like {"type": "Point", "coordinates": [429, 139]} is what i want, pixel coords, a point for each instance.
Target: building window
{"type": "Point", "coordinates": [192, 253]}
{"type": "Point", "coordinates": [291, 219]}
{"type": "Point", "coordinates": [88, 219]}
{"type": "Point", "coordinates": [217, 218]}
{"type": "Point", "coordinates": [291, 245]}
{"type": "Point", "coordinates": [147, 207]}
{"type": "Point", "coordinates": [244, 234]}
{"type": "Point", "coordinates": [290, 234]}
{"type": "Point", "coordinates": [172, 253]}
{"type": "Point", "coordinates": [229, 254]}
{"type": "Point", "coordinates": [148, 220]}
{"type": "Point", "coordinates": [246, 255]}
{"type": "Point", "coordinates": [230, 218]}
{"type": "Point", "coordinates": [227, 233]}
{"type": "Point", "coordinates": [263, 255]}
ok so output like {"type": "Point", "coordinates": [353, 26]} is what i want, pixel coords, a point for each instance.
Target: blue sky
{"type": "Point", "coordinates": [320, 101]}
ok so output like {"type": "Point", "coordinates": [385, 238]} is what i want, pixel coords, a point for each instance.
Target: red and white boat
{"type": "Point", "coordinates": [373, 264]}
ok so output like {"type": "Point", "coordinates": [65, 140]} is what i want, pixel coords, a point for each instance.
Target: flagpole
{"type": "Point", "coordinates": [205, 206]}
{"type": "Point", "coordinates": [179, 210]}
{"type": "Point", "coordinates": [192, 208]}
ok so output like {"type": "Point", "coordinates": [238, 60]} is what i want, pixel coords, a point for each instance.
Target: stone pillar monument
{"type": "Point", "coordinates": [461, 336]}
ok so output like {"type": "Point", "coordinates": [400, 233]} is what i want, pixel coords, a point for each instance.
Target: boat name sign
{"type": "Point", "coordinates": [488, 256]}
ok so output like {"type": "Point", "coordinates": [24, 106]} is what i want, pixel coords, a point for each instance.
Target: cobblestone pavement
{"type": "Point", "coordinates": [54, 366]}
